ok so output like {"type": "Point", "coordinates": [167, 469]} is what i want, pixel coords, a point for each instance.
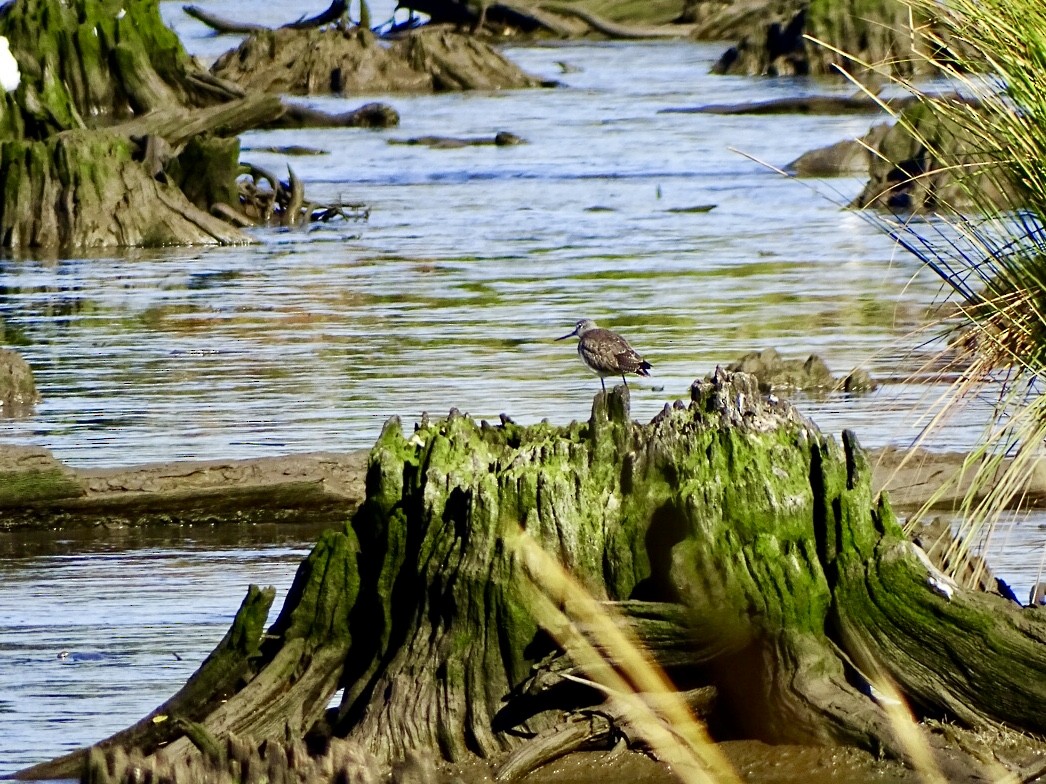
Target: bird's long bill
{"type": "Point", "coordinates": [568, 335]}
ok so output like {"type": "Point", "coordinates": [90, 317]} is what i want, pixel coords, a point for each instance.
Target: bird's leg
{"type": "Point", "coordinates": [625, 380]}
{"type": "Point", "coordinates": [603, 385]}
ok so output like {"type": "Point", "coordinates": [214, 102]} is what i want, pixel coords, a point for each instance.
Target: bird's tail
{"type": "Point", "coordinates": [644, 368]}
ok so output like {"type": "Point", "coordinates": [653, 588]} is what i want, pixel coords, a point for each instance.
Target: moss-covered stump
{"type": "Point", "coordinates": [96, 67]}
{"type": "Point", "coordinates": [32, 475]}
{"type": "Point", "coordinates": [86, 189]}
{"type": "Point", "coordinates": [777, 44]}
{"type": "Point", "coordinates": [743, 546]}
{"type": "Point", "coordinates": [90, 62]}
{"type": "Point", "coordinates": [352, 61]}
{"type": "Point", "coordinates": [926, 163]}
{"type": "Point", "coordinates": [18, 393]}
{"type": "Point", "coordinates": [777, 374]}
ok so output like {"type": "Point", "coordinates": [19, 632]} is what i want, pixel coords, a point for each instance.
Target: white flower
{"type": "Point", "coordinates": [10, 77]}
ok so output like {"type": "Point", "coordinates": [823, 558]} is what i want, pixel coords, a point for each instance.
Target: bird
{"type": "Point", "coordinates": [606, 353]}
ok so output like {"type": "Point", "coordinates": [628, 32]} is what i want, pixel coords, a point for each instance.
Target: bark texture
{"type": "Point", "coordinates": [90, 62]}
{"type": "Point", "coordinates": [71, 176]}
{"type": "Point", "coordinates": [87, 190]}
{"type": "Point", "coordinates": [774, 42]}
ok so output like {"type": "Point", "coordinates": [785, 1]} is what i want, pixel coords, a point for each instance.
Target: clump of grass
{"type": "Point", "coordinates": [992, 56]}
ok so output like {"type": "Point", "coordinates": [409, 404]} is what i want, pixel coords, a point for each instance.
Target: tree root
{"type": "Point", "coordinates": [266, 200]}
{"type": "Point", "coordinates": [237, 761]}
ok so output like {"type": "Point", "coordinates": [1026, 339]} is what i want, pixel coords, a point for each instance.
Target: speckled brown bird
{"type": "Point", "coordinates": [606, 353]}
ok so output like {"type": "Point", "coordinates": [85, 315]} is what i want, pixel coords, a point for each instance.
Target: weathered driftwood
{"type": "Point", "coordinates": [335, 12]}
{"type": "Point", "coordinates": [370, 115]}
{"type": "Point", "coordinates": [500, 139]}
{"type": "Point", "coordinates": [221, 24]}
{"type": "Point", "coordinates": [816, 104]}
{"type": "Point", "coordinates": [616, 30]}
{"type": "Point", "coordinates": [562, 19]}
{"type": "Point", "coordinates": [267, 200]}
{"type": "Point", "coordinates": [178, 125]}
{"type": "Point", "coordinates": [750, 542]}
{"type": "Point", "coordinates": [38, 492]}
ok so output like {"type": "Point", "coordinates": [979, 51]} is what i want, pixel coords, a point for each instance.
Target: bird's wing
{"type": "Point", "coordinates": [630, 362]}
{"type": "Point", "coordinates": [607, 352]}
{"type": "Point", "coordinates": [599, 357]}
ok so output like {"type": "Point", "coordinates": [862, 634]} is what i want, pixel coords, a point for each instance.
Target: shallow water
{"type": "Point", "coordinates": [98, 628]}
{"type": "Point", "coordinates": [472, 261]}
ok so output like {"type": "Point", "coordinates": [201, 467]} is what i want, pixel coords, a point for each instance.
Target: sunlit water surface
{"type": "Point", "coordinates": [472, 261]}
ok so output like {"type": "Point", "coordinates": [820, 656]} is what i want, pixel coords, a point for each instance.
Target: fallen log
{"type": "Point", "coordinates": [38, 492]}
{"type": "Point", "coordinates": [336, 11]}
{"type": "Point", "coordinates": [736, 534]}
{"type": "Point", "coordinates": [500, 139]}
{"type": "Point", "coordinates": [178, 125]}
{"type": "Point", "coordinates": [221, 24]}
{"type": "Point", "coordinates": [615, 30]}
{"type": "Point", "coordinates": [370, 115]}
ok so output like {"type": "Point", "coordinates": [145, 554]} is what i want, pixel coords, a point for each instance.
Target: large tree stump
{"type": "Point", "coordinates": [776, 41]}
{"type": "Point", "coordinates": [743, 546]}
{"type": "Point", "coordinates": [87, 189]}
{"type": "Point", "coordinates": [86, 65]}
{"type": "Point", "coordinates": [90, 62]}
{"type": "Point", "coordinates": [353, 61]}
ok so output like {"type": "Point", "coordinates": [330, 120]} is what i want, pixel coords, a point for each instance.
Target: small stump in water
{"type": "Point", "coordinates": [18, 394]}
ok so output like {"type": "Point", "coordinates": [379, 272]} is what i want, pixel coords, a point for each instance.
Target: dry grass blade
{"type": "Point", "coordinates": [989, 134]}
{"type": "Point", "coordinates": [583, 627]}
